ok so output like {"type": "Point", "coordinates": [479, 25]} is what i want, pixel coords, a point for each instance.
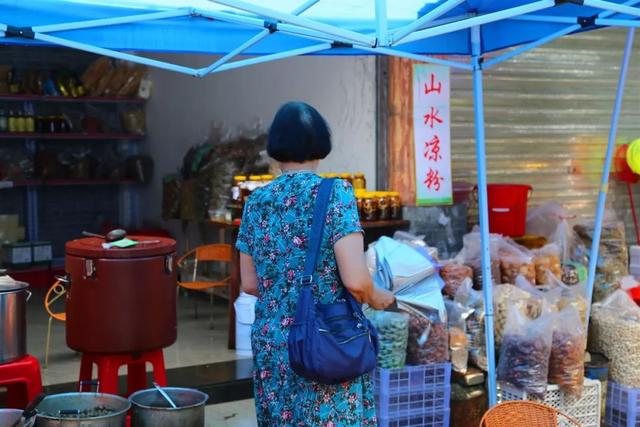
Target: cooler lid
{"type": "Point", "coordinates": [91, 247]}
{"type": "Point", "coordinates": [9, 284]}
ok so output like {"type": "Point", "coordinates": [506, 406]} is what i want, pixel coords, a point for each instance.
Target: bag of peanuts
{"type": "Point", "coordinates": [457, 315]}
{"type": "Point", "coordinates": [541, 298]}
{"type": "Point", "coordinates": [515, 260]}
{"type": "Point", "coordinates": [504, 297]}
{"type": "Point", "coordinates": [566, 363]}
{"type": "Point", "coordinates": [547, 259]}
{"type": "Point", "coordinates": [474, 327]}
{"type": "Point", "coordinates": [453, 274]}
{"type": "Point", "coordinates": [525, 352]}
{"type": "Point", "coordinates": [470, 256]}
{"type": "Point", "coordinates": [615, 332]}
{"type": "Point", "coordinates": [428, 336]}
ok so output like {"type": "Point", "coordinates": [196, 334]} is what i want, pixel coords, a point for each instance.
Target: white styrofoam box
{"type": "Point", "coordinates": [586, 410]}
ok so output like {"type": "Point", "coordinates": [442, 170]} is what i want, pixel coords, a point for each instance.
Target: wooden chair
{"type": "Point", "coordinates": [520, 413]}
{"type": "Point", "coordinates": [54, 293]}
{"type": "Point", "coordinates": [207, 253]}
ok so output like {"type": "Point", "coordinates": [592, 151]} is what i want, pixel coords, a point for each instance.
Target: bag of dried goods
{"type": "Point", "coordinates": [552, 222]}
{"type": "Point", "coordinates": [457, 315]}
{"type": "Point", "coordinates": [453, 274]}
{"type": "Point", "coordinates": [566, 364]}
{"type": "Point", "coordinates": [505, 296]}
{"type": "Point", "coordinates": [541, 298]}
{"type": "Point", "coordinates": [474, 327]}
{"type": "Point", "coordinates": [470, 255]}
{"type": "Point", "coordinates": [573, 296]}
{"type": "Point", "coordinates": [515, 260]}
{"type": "Point", "coordinates": [393, 332]}
{"type": "Point", "coordinates": [615, 332]}
{"type": "Point", "coordinates": [547, 259]}
{"type": "Point", "coordinates": [428, 337]}
{"type": "Point", "coordinates": [525, 351]}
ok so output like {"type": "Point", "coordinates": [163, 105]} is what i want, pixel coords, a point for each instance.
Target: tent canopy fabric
{"type": "Point", "coordinates": [195, 33]}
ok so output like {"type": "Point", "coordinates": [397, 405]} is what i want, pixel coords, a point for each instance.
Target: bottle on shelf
{"type": "Point", "coordinates": [12, 122]}
{"type": "Point", "coordinates": [369, 207]}
{"type": "Point", "coordinates": [4, 122]}
{"type": "Point", "coordinates": [382, 200]}
{"type": "Point", "coordinates": [395, 205]}
{"type": "Point", "coordinates": [30, 123]}
{"type": "Point", "coordinates": [21, 124]}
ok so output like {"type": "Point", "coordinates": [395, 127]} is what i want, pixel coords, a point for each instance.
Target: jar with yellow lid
{"type": "Point", "coordinates": [382, 200]}
{"type": "Point", "coordinates": [369, 207]}
{"type": "Point", "coordinates": [395, 205]}
{"type": "Point", "coordinates": [347, 177]}
{"type": "Point", "coordinates": [236, 188]}
{"type": "Point", "coordinates": [359, 197]}
{"type": "Point", "coordinates": [359, 181]}
{"type": "Point", "coordinates": [266, 179]}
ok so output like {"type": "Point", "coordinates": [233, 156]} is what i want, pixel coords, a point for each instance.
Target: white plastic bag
{"type": "Point", "coordinates": [474, 300]}
{"type": "Point", "coordinates": [566, 363]}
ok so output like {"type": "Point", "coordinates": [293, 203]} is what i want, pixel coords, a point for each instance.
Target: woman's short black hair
{"type": "Point", "coordinates": [298, 134]}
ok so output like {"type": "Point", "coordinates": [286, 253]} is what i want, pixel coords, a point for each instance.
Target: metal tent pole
{"type": "Point", "coordinates": [483, 210]}
{"type": "Point", "coordinates": [606, 169]}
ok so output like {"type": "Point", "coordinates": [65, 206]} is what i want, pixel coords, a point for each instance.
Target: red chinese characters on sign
{"type": "Point", "coordinates": [430, 119]}
{"type": "Point", "coordinates": [434, 87]}
{"type": "Point", "coordinates": [432, 149]}
{"type": "Point", "coordinates": [433, 180]}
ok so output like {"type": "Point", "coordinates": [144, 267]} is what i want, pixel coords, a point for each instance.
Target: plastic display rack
{"type": "Point", "coordinates": [623, 406]}
{"type": "Point", "coordinates": [586, 410]}
{"type": "Point", "coordinates": [413, 395]}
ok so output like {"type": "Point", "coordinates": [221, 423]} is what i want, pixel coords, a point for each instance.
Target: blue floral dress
{"type": "Point", "coordinates": [275, 225]}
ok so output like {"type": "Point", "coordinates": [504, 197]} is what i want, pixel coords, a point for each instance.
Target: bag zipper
{"type": "Point", "coordinates": [341, 317]}
{"type": "Point", "coordinates": [348, 339]}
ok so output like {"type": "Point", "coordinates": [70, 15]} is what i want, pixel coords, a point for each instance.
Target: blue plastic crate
{"type": "Point", "coordinates": [429, 419]}
{"type": "Point", "coordinates": [404, 405]}
{"type": "Point", "coordinates": [623, 406]}
{"type": "Point", "coordinates": [411, 379]}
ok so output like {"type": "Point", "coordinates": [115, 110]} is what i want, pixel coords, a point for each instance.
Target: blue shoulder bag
{"type": "Point", "coordinates": [329, 343]}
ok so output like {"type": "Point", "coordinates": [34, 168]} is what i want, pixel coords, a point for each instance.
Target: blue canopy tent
{"type": "Point", "coordinates": [285, 28]}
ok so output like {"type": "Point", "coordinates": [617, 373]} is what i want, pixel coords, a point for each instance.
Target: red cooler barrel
{"type": "Point", "coordinates": [121, 300]}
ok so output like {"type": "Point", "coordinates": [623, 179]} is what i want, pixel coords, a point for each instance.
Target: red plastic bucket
{"type": "Point", "coordinates": [508, 208]}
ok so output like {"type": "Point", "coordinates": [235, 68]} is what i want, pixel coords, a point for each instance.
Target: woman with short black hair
{"type": "Point", "coordinates": [272, 242]}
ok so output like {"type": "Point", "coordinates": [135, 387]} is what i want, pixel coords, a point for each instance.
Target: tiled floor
{"type": "Point", "coordinates": [196, 344]}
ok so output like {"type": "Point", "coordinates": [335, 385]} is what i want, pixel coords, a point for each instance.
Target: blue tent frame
{"type": "Point", "coordinates": [457, 25]}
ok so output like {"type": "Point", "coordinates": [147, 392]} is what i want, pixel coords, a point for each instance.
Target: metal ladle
{"type": "Point", "coordinates": [165, 395]}
{"type": "Point", "coordinates": [112, 236]}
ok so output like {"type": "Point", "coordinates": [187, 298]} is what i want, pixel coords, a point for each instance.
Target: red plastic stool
{"type": "Point", "coordinates": [22, 380]}
{"type": "Point", "coordinates": [109, 364]}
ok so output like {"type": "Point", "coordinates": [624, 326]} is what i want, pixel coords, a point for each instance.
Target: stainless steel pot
{"type": "Point", "coordinates": [150, 409]}
{"type": "Point", "coordinates": [80, 410]}
{"type": "Point", "coordinates": [13, 318]}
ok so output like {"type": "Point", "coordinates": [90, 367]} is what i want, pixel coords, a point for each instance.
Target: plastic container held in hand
{"type": "Point", "coordinates": [393, 333]}
{"type": "Point", "coordinates": [428, 337]}
{"type": "Point", "coordinates": [566, 363]}
{"type": "Point", "coordinates": [525, 352]}
{"type": "Point", "coordinates": [399, 265]}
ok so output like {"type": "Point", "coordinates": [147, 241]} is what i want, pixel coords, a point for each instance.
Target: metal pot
{"type": "Point", "coordinates": [9, 416]}
{"type": "Point", "coordinates": [150, 409]}
{"type": "Point", "coordinates": [72, 410]}
{"type": "Point", "coordinates": [13, 318]}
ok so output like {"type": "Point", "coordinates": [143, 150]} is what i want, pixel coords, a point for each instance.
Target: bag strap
{"type": "Point", "coordinates": [317, 228]}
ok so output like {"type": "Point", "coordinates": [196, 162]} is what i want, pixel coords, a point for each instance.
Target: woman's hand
{"type": "Point", "coordinates": [381, 299]}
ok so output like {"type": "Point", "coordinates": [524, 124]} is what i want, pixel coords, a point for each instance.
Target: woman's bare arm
{"type": "Point", "coordinates": [248, 275]}
{"type": "Point", "coordinates": [354, 273]}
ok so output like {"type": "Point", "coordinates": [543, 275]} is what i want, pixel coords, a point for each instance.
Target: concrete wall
{"type": "Point", "coordinates": [183, 109]}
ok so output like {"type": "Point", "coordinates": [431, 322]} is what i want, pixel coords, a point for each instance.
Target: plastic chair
{"type": "Point", "coordinates": [54, 293]}
{"type": "Point", "coordinates": [206, 253]}
{"type": "Point", "coordinates": [520, 413]}
{"type": "Point", "coordinates": [22, 380]}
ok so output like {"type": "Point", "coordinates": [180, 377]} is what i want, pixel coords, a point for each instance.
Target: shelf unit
{"type": "Point", "coordinates": [127, 142]}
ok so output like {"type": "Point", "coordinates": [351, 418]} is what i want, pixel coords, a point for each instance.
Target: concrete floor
{"type": "Point", "coordinates": [233, 414]}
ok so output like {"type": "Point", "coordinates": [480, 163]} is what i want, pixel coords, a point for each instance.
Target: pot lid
{"type": "Point", "coordinates": [9, 284]}
{"type": "Point", "coordinates": [91, 247]}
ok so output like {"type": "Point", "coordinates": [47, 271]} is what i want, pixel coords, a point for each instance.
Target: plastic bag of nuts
{"type": "Point", "coordinates": [525, 351]}
{"type": "Point", "coordinates": [470, 256]}
{"type": "Point", "coordinates": [392, 331]}
{"type": "Point", "coordinates": [566, 363]}
{"type": "Point", "coordinates": [547, 259]}
{"type": "Point", "coordinates": [505, 296]}
{"type": "Point", "coordinates": [457, 315]}
{"type": "Point", "coordinates": [428, 337]}
{"type": "Point", "coordinates": [474, 326]}
{"type": "Point", "coordinates": [515, 260]}
{"type": "Point", "coordinates": [453, 274]}
{"type": "Point", "coordinates": [615, 332]}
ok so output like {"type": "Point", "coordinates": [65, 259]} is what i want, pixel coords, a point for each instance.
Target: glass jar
{"type": "Point", "coordinates": [359, 198]}
{"type": "Point", "coordinates": [347, 177]}
{"type": "Point", "coordinates": [395, 205]}
{"type": "Point", "coordinates": [369, 207]}
{"type": "Point", "coordinates": [266, 179]}
{"type": "Point", "coordinates": [382, 201]}
{"type": "Point", "coordinates": [359, 181]}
